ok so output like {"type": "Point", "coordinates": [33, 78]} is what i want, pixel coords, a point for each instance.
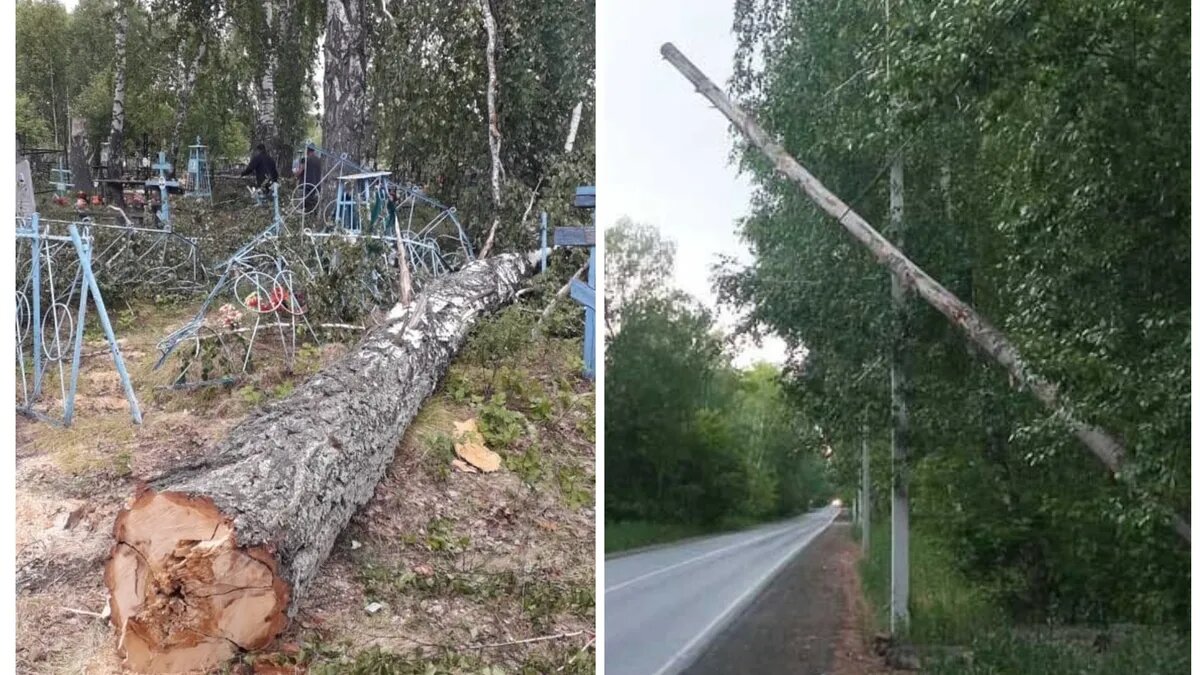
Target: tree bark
{"type": "Point", "coordinates": [1106, 448]}
{"type": "Point", "coordinates": [901, 399]}
{"type": "Point", "coordinates": [573, 129]}
{"type": "Point", "coordinates": [267, 130]}
{"type": "Point", "coordinates": [185, 99]}
{"type": "Point", "coordinates": [81, 170]}
{"type": "Point", "coordinates": [214, 558]}
{"type": "Point", "coordinates": [493, 125]}
{"type": "Point", "coordinates": [116, 154]}
{"type": "Point", "coordinates": [344, 122]}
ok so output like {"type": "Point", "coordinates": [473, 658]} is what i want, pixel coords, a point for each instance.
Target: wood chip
{"type": "Point", "coordinates": [469, 446]}
{"type": "Point", "coordinates": [463, 466]}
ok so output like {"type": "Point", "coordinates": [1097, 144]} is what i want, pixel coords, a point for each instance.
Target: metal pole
{"type": "Point", "coordinates": [901, 392]}
{"type": "Point", "coordinates": [545, 221]}
{"type": "Point", "coordinates": [275, 197]}
{"type": "Point", "coordinates": [69, 405]}
{"type": "Point", "coordinates": [589, 321]}
{"type": "Point", "coordinates": [865, 515]}
{"type": "Point", "coordinates": [90, 280]}
{"type": "Point", "coordinates": [36, 248]}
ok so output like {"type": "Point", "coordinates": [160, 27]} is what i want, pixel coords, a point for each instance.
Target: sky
{"type": "Point", "coordinates": [663, 150]}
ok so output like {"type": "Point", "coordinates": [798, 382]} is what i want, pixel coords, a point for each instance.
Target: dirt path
{"type": "Point", "coordinates": [808, 621]}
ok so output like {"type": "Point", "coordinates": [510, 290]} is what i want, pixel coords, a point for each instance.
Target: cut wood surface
{"type": "Point", "coordinates": [1105, 446]}
{"type": "Point", "coordinates": [212, 559]}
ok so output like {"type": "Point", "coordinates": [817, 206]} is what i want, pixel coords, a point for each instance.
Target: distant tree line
{"type": "Point", "coordinates": [689, 438]}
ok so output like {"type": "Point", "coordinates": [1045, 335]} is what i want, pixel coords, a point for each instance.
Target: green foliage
{"type": "Point", "coordinates": [637, 260]}
{"type": "Point", "coordinates": [31, 127]}
{"type": "Point", "coordinates": [1045, 185]}
{"type": "Point", "coordinates": [492, 342]}
{"type": "Point", "coordinates": [499, 425]}
{"type": "Point", "coordinates": [689, 439]}
{"type": "Point", "coordinates": [950, 609]}
{"type": "Point", "coordinates": [574, 486]}
{"type": "Point", "coordinates": [526, 464]}
{"type": "Point", "coordinates": [427, 95]}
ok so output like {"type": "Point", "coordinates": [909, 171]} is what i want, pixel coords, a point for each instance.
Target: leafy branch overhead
{"type": "Point", "coordinates": [408, 89]}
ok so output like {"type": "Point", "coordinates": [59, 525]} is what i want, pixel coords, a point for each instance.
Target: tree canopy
{"type": "Point", "coordinates": [1046, 184]}
{"type": "Point", "coordinates": [241, 72]}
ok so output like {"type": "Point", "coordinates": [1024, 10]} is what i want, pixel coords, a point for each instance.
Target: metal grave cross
{"type": "Point", "coordinates": [163, 185]}
{"type": "Point", "coordinates": [197, 171]}
{"type": "Point", "coordinates": [62, 180]}
{"type": "Point", "coordinates": [584, 294]}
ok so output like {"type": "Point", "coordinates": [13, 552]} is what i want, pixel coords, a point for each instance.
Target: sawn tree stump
{"type": "Point", "coordinates": [212, 559]}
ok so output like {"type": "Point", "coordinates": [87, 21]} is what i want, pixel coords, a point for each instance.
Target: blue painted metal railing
{"type": "Point", "coordinates": [48, 352]}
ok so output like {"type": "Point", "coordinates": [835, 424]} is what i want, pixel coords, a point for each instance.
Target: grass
{"type": "Point", "coordinates": [76, 452]}
{"type": "Point", "coordinates": [959, 629]}
{"type": "Point", "coordinates": [623, 536]}
{"type": "Point", "coordinates": [323, 659]}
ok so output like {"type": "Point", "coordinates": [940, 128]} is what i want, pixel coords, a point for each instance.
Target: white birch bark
{"type": "Point", "coordinates": [493, 124]}
{"type": "Point", "coordinates": [116, 136]}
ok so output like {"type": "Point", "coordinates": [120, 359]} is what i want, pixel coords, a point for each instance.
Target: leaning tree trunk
{"type": "Point", "coordinates": [214, 559]}
{"type": "Point", "coordinates": [116, 154]}
{"type": "Point", "coordinates": [81, 170]}
{"type": "Point", "coordinates": [344, 123]}
{"type": "Point", "coordinates": [1106, 447]}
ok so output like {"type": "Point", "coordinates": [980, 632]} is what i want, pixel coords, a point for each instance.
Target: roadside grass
{"type": "Point", "coordinates": [630, 534]}
{"type": "Point", "coordinates": [959, 629]}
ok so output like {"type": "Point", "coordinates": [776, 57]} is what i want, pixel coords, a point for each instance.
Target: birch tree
{"type": "Point", "coordinates": [116, 137]}
{"type": "Point", "coordinates": [1032, 141]}
{"type": "Point", "coordinates": [345, 113]}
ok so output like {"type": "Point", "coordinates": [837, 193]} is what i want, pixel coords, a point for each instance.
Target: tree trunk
{"type": "Point", "coordinates": [284, 40]}
{"type": "Point", "coordinates": [493, 124]}
{"type": "Point", "coordinates": [214, 558]}
{"type": "Point", "coordinates": [901, 398]}
{"type": "Point", "coordinates": [185, 99]}
{"type": "Point", "coordinates": [81, 170]}
{"type": "Point", "coordinates": [343, 124]}
{"type": "Point", "coordinates": [116, 154]}
{"type": "Point", "coordinates": [267, 133]}
{"type": "Point", "coordinates": [987, 337]}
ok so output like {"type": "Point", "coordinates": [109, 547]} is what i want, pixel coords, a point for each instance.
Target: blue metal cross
{"type": "Point", "coordinates": [197, 171]}
{"type": "Point", "coordinates": [62, 180]}
{"type": "Point", "coordinates": [162, 183]}
{"type": "Point", "coordinates": [584, 294]}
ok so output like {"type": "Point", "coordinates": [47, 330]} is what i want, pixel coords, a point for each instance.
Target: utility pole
{"type": "Point", "coordinates": [901, 389]}
{"type": "Point", "coordinates": [901, 371]}
{"type": "Point", "coordinates": [865, 509]}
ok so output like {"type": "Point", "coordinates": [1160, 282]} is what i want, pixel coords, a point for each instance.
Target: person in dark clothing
{"type": "Point", "coordinates": [309, 173]}
{"type": "Point", "coordinates": [263, 167]}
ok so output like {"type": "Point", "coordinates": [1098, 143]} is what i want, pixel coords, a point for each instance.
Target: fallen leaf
{"type": "Point", "coordinates": [469, 446]}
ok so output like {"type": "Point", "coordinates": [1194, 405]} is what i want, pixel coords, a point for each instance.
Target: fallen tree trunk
{"type": "Point", "coordinates": [1105, 446]}
{"type": "Point", "coordinates": [212, 559]}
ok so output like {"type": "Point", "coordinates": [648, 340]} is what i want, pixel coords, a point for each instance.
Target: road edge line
{"type": "Point", "coordinates": [677, 662]}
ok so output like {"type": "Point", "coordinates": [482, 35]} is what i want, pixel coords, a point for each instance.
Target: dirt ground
{"type": "Point", "coordinates": [810, 620]}
{"type": "Point", "coordinates": [443, 571]}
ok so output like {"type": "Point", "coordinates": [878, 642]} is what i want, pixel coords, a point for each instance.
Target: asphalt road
{"type": "Point", "coordinates": [664, 605]}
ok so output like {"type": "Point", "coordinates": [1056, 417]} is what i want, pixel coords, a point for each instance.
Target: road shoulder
{"type": "Point", "coordinates": [807, 621]}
